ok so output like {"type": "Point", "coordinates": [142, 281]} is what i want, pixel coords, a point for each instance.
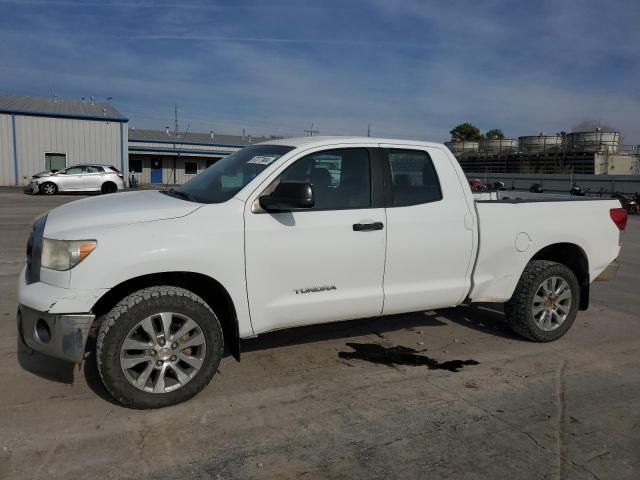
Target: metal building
{"type": "Point", "coordinates": [40, 133]}
{"type": "Point", "coordinates": [164, 156]}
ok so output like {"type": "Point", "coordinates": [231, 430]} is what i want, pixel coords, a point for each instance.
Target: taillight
{"type": "Point", "coordinates": [619, 217]}
{"type": "Point", "coordinates": [120, 175]}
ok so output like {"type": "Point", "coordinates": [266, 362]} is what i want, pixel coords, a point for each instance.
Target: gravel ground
{"type": "Point", "coordinates": [444, 394]}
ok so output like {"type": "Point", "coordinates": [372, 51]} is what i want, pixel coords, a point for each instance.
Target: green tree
{"type": "Point", "coordinates": [465, 131]}
{"type": "Point", "coordinates": [494, 133]}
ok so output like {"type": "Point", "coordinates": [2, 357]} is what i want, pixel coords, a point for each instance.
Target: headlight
{"type": "Point", "coordinates": [65, 254]}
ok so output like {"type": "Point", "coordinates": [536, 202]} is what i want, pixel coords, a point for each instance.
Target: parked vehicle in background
{"type": "Point", "coordinates": [633, 206]}
{"type": "Point", "coordinates": [536, 188]}
{"type": "Point", "coordinates": [624, 199]}
{"type": "Point", "coordinates": [475, 185]}
{"type": "Point", "coordinates": [77, 178]}
{"type": "Point", "coordinates": [297, 232]}
{"type": "Point", "coordinates": [577, 191]}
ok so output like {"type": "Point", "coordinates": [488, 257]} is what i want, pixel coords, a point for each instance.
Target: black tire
{"type": "Point", "coordinates": [48, 188]}
{"type": "Point", "coordinates": [519, 309]}
{"type": "Point", "coordinates": [109, 187]}
{"type": "Point", "coordinates": [117, 324]}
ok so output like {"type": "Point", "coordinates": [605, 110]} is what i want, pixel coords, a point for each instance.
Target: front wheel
{"type": "Point", "coordinates": [49, 188]}
{"type": "Point", "coordinates": [158, 347]}
{"type": "Point", "coordinates": [545, 302]}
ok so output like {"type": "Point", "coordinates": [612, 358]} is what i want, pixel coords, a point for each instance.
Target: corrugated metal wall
{"type": "Point", "coordinates": [167, 168]}
{"type": "Point", "coordinates": [6, 151]}
{"type": "Point", "coordinates": [83, 141]}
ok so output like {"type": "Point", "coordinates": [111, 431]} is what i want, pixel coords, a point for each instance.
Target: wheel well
{"type": "Point", "coordinates": [572, 256]}
{"type": "Point", "coordinates": [205, 287]}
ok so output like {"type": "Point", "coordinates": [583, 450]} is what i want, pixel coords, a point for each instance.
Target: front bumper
{"type": "Point", "coordinates": [60, 336]}
{"type": "Point", "coordinates": [31, 188]}
{"type": "Point", "coordinates": [55, 320]}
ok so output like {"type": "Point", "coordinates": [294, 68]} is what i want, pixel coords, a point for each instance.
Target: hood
{"type": "Point", "coordinates": [46, 173]}
{"type": "Point", "coordinates": [115, 209]}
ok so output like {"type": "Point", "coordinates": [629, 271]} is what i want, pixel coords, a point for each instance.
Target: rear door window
{"type": "Point", "coordinates": [413, 178]}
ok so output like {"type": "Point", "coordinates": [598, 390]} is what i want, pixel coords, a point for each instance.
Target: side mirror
{"type": "Point", "coordinates": [288, 196]}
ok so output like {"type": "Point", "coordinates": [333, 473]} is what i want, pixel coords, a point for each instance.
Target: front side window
{"type": "Point", "coordinates": [74, 171]}
{"type": "Point", "coordinates": [340, 178]}
{"type": "Point", "coordinates": [414, 178]}
{"type": "Point", "coordinates": [225, 178]}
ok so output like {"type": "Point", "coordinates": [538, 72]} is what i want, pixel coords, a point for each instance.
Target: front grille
{"type": "Point", "coordinates": [34, 250]}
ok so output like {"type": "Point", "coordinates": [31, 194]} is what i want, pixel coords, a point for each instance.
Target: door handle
{"type": "Point", "coordinates": [367, 227]}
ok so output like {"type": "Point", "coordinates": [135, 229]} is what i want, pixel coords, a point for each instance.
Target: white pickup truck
{"type": "Point", "coordinates": [297, 232]}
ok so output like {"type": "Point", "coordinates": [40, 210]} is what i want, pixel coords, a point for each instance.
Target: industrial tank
{"type": "Point", "coordinates": [541, 143]}
{"type": "Point", "coordinates": [498, 145]}
{"type": "Point", "coordinates": [596, 141]}
{"type": "Point", "coordinates": [459, 147]}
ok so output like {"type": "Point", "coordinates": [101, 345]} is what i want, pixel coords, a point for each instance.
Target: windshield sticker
{"type": "Point", "coordinates": [262, 160]}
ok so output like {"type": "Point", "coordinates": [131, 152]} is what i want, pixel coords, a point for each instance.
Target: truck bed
{"type": "Point", "coordinates": [515, 226]}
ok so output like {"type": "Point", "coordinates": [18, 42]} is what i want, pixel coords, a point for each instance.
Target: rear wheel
{"type": "Point", "coordinates": [49, 188]}
{"type": "Point", "coordinates": [545, 302]}
{"type": "Point", "coordinates": [109, 187]}
{"type": "Point", "coordinates": [158, 347]}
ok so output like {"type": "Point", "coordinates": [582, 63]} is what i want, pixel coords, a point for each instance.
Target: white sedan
{"type": "Point", "coordinates": [78, 178]}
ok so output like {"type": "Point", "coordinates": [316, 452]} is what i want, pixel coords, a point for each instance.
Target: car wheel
{"type": "Point", "coordinates": [109, 187]}
{"type": "Point", "coordinates": [545, 302]}
{"type": "Point", "coordinates": [158, 347]}
{"type": "Point", "coordinates": [49, 188]}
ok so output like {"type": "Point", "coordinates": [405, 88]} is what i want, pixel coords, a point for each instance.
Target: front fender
{"type": "Point", "coordinates": [209, 242]}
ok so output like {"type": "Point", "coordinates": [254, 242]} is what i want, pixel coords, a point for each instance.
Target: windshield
{"type": "Point", "coordinates": [228, 176]}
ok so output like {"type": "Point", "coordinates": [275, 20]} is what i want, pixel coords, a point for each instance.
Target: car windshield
{"type": "Point", "coordinates": [222, 180]}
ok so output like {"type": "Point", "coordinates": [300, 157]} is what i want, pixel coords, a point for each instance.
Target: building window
{"type": "Point", "coordinates": [135, 165]}
{"type": "Point", "coordinates": [55, 161]}
{"type": "Point", "coordinates": [190, 168]}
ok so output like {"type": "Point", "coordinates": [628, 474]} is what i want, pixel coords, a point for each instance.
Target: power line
{"type": "Point", "coordinates": [310, 131]}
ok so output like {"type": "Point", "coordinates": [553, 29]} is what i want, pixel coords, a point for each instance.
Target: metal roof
{"type": "Point", "coordinates": [59, 107]}
{"type": "Point", "coordinates": [161, 136]}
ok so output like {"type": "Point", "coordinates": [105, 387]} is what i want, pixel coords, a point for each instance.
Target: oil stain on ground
{"type": "Point", "coordinates": [390, 356]}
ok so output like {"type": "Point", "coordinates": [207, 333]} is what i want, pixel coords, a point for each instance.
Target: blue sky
{"type": "Point", "coordinates": [409, 68]}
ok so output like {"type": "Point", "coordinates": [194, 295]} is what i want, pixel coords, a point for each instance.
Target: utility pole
{"type": "Point", "coordinates": [175, 147]}
{"type": "Point", "coordinates": [311, 131]}
{"type": "Point", "coordinates": [369, 130]}
{"type": "Point", "coordinates": [175, 116]}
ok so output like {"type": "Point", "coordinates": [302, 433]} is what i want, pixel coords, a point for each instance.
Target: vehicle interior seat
{"type": "Point", "coordinates": [322, 191]}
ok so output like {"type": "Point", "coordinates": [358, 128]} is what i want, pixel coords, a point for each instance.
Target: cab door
{"type": "Point", "coordinates": [325, 263]}
{"type": "Point", "coordinates": [70, 179]}
{"type": "Point", "coordinates": [430, 238]}
{"type": "Point", "coordinates": [93, 177]}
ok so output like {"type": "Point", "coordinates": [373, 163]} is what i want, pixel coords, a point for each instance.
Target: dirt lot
{"type": "Point", "coordinates": [329, 401]}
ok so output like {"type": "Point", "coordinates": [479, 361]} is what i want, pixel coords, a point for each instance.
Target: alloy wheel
{"type": "Point", "coordinates": [163, 352]}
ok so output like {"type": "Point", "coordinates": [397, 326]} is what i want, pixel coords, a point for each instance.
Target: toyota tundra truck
{"type": "Point", "coordinates": [296, 232]}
